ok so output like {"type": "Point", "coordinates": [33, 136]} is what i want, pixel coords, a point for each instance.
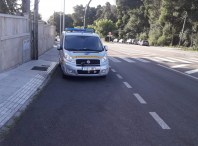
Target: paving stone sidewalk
{"type": "Point", "coordinates": [21, 83]}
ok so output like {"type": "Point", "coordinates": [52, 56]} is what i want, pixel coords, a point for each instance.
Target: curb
{"type": "Point", "coordinates": [16, 104]}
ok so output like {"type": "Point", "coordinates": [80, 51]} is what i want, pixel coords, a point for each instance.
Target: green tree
{"type": "Point", "coordinates": [104, 26]}
{"type": "Point", "coordinates": [78, 15]}
{"type": "Point", "coordinates": [39, 16]}
{"type": "Point", "coordinates": [56, 20]}
{"type": "Point", "coordinates": [9, 6]}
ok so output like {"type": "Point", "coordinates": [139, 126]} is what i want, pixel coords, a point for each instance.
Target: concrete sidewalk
{"type": "Point", "coordinates": [19, 85]}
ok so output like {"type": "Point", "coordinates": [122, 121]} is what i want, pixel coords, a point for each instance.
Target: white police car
{"type": "Point", "coordinates": [81, 53]}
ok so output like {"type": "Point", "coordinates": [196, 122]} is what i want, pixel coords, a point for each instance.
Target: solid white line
{"type": "Point", "coordinates": [113, 70]}
{"type": "Point", "coordinates": [181, 65]}
{"type": "Point", "coordinates": [128, 60]}
{"type": "Point", "coordinates": [177, 71]}
{"type": "Point", "coordinates": [141, 100]}
{"type": "Point", "coordinates": [127, 84]}
{"type": "Point", "coordinates": [192, 71]}
{"type": "Point", "coordinates": [179, 60]}
{"type": "Point", "coordinates": [159, 120]}
{"type": "Point", "coordinates": [165, 59]}
{"type": "Point", "coordinates": [119, 76]}
{"type": "Point", "coordinates": [113, 59]}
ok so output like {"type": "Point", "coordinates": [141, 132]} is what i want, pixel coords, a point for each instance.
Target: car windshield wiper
{"type": "Point", "coordinates": [90, 50]}
{"type": "Point", "coordinates": [71, 49]}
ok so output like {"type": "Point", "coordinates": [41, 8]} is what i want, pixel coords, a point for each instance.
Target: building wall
{"type": "Point", "coordinates": [14, 32]}
{"type": "Point", "coordinates": [46, 36]}
{"type": "Point", "coordinates": [15, 44]}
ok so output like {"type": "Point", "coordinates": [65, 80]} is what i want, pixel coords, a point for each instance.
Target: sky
{"type": "Point", "coordinates": [47, 7]}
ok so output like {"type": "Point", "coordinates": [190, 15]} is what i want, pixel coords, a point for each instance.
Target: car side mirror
{"type": "Point", "coordinates": [106, 48]}
{"type": "Point", "coordinates": [59, 47]}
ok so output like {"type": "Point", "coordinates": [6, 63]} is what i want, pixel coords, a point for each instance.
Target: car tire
{"type": "Point", "coordinates": [64, 76]}
{"type": "Point", "coordinates": [103, 76]}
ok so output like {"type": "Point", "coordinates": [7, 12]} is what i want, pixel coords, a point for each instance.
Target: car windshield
{"type": "Point", "coordinates": [77, 43]}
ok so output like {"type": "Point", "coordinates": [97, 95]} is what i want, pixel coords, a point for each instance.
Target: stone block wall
{"type": "Point", "coordinates": [14, 32]}
{"type": "Point", "coordinates": [46, 35]}
{"type": "Point", "coordinates": [15, 43]}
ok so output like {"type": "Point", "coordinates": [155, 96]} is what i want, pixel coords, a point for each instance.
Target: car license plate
{"type": "Point", "coordinates": [88, 68]}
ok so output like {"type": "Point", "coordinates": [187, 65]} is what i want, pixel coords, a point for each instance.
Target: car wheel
{"type": "Point", "coordinates": [64, 76]}
{"type": "Point", "coordinates": [103, 76]}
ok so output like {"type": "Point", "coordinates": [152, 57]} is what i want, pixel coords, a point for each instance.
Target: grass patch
{"type": "Point", "coordinates": [10, 126]}
{"type": "Point", "coordinates": [16, 118]}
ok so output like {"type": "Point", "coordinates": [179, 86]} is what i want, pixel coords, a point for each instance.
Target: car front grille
{"type": "Point", "coordinates": [87, 62]}
{"type": "Point", "coordinates": [88, 72]}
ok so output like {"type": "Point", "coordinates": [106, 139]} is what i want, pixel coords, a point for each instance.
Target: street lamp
{"type": "Point", "coordinates": [85, 17]}
{"type": "Point", "coordinates": [64, 16]}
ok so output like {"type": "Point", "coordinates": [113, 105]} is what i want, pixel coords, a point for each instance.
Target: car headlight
{"type": "Point", "coordinates": [104, 59]}
{"type": "Point", "coordinates": [69, 58]}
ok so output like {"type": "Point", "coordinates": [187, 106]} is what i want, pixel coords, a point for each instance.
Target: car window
{"type": "Point", "coordinates": [83, 43]}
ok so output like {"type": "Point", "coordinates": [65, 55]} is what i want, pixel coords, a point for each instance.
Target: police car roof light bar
{"type": "Point", "coordinates": [77, 29]}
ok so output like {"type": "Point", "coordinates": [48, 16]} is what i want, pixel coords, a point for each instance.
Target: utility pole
{"type": "Point", "coordinates": [35, 56]}
{"type": "Point", "coordinates": [85, 17]}
{"type": "Point", "coordinates": [53, 18]}
{"type": "Point", "coordinates": [182, 30]}
{"type": "Point", "coordinates": [64, 16]}
{"type": "Point", "coordinates": [26, 10]}
{"type": "Point", "coordinates": [60, 21]}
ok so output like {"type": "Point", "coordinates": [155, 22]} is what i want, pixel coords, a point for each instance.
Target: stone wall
{"type": "Point", "coordinates": [14, 41]}
{"type": "Point", "coordinates": [46, 37]}
{"type": "Point", "coordinates": [15, 44]}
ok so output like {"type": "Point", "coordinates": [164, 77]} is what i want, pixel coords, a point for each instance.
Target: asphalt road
{"type": "Point", "coordinates": [142, 102]}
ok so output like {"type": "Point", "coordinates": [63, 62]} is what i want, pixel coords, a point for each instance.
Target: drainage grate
{"type": "Point", "coordinates": [39, 68]}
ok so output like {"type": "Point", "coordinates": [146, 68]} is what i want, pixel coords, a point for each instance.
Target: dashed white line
{"type": "Point", "coordinates": [128, 60]}
{"type": "Point", "coordinates": [181, 65]}
{"type": "Point", "coordinates": [159, 120]}
{"type": "Point", "coordinates": [119, 76]}
{"type": "Point", "coordinates": [141, 100]}
{"type": "Point", "coordinates": [113, 70]}
{"type": "Point", "coordinates": [127, 85]}
{"type": "Point", "coordinates": [192, 71]}
{"type": "Point", "coordinates": [114, 59]}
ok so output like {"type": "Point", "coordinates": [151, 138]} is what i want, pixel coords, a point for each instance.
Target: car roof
{"type": "Point", "coordinates": [81, 34]}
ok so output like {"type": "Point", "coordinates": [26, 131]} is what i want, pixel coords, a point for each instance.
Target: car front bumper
{"type": "Point", "coordinates": [70, 69]}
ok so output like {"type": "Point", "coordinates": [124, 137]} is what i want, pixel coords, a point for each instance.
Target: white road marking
{"type": "Point", "coordinates": [192, 71]}
{"type": "Point", "coordinates": [113, 59]}
{"type": "Point", "coordinates": [177, 71]}
{"type": "Point", "coordinates": [127, 84]}
{"type": "Point", "coordinates": [165, 59]}
{"type": "Point", "coordinates": [154, 59]}
{"type": "Point", "coordinates": [159, 120]}
{"type": "Point", "coordinates": [141, 100]}
{"type": "Point", "coordinates": [113, 70]}
{"type": "Point", "coordinates": [119, 76]}
{"type": "Point", "coordinates": [141, 60]}
{"type": "Point", "coordinates": [128, 60]}
{"type": "Point", "coordinates": [179, 60]}
{"type": "Point", "coordinates": [195, 59]}
{"type": "Point", "coordinates": [181, 65]}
